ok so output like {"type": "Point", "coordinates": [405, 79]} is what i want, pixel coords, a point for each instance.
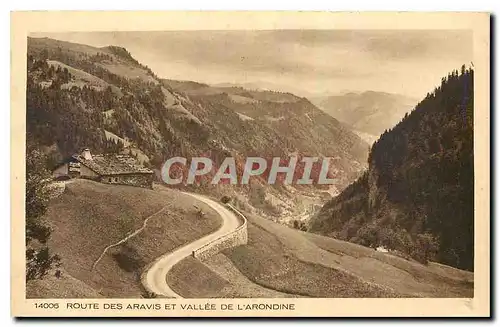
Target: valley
{"type": "Point", "coordinates": [103, 97]}
{"type": "Point", "coordinates": [299, 239]}
{"type": "Point", "coordinates": [277, 262]}
{"type": "Point", "coordinates": [367, 113]}
{"type": "Point", "coordinates": [417, 195]}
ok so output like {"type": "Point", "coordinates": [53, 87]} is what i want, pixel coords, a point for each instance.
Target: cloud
{"type": "Point", "coordinates": [314, 61]}
{"type": "Point", "coordinates": [422, 45]}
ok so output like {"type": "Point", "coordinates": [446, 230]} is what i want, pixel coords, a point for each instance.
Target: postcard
{"type": "Point", "coordinates": [250, 164]}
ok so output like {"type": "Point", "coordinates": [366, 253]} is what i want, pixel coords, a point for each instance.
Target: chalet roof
{"type": "Point", "coordinates": [113, 164]}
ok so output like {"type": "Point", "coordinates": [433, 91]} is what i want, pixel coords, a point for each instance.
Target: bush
{"type": "Point", "coordinates": [128, 259]}
{"type": "Point", "coordinates": [225, 199]}
{"type": "Point", "coordinates": [367, 236]}
{"type": "Point", "coordinates": [39, 262]}
{"type": "Point", "coordinates": [148, 295]}
{"type": "Point", "coordinates": [386, 238]}
{"type": "Point", "coordinates": [425, 248]}
{"type": "Point", "coordinates": [300, 225]}
{"type": "Point", "coordinates": [402, 241]}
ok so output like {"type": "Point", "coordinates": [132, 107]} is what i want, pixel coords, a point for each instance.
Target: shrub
{"type": "Point", "coordinates": [39, 262]}
{"type": "Point", "coordinates": [128, 259]}
{"type": "Point", "coordinates": [148, 295]}
{"type": "Point", "coordinates": [300, 225]}
{"type": "Point", "coordinates": [368, 235]}
{"type": "Point", "coordinates": [425, 248]}
{"type": "Point", "coordinates": [387, 238]}
{"type": "Point", "coordinates": [225, 199]}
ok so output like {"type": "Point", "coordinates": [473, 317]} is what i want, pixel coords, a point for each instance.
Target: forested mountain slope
{"type": "Point", "coordinates": [417, 196]}
{"type": "Point", "coordinates": [102, 98]}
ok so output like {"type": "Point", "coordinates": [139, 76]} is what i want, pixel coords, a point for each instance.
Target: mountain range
{"type": "Point", "coordinates": [410, 192]}
{"type": "Point", "coordinates": [83, 96]}
{"type": "Point", "coordinates": [369, 113]}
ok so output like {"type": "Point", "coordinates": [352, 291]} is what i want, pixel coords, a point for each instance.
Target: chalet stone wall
{"type": "Point", "coordinates": [140, 180]}
{"type": "Point", "coordinates": [87, 172]}
{"type": "Point", "coordinates": [233, 239]}
{"type": "Point", "coordinates": [61, 171]}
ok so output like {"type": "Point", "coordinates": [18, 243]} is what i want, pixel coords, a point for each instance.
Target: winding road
{"type": "Point", "coordinates": [155, 278]}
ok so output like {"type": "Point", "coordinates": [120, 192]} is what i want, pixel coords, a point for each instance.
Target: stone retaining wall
{"type": "Point", "coordinates": [238, 237]}
{"type": "Point", "coordinates": [139, 180]}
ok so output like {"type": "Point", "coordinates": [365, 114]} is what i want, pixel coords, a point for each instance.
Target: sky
{"type": "Point", "coordinates": [305, 62]}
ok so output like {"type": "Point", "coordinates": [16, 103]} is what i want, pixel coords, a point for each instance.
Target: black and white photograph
{"type": "Point", "coordinates": [291, 163]}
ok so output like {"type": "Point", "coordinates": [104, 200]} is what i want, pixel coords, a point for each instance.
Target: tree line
{"type": "Point", "coordinates": [417, 196]}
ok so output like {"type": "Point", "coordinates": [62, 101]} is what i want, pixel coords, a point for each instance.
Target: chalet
{"type": "Point", "coordinates": [106, 168]}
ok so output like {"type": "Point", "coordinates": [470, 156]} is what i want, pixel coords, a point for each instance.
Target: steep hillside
{"type": "Point", "coordinates": [282, 262]}
{"type": "Point", "coordinates": [367, 112]}
{"type": "Point", "coordinates": [94, 231]}
{"type": "Point", "coordinates": [89, 218]}
{"type": "Point", "coordinates": [418, 195]}
{"type": "Point", "coordinates": [81, 96]}
{"type": "Point", "coordinates": [288, 123]}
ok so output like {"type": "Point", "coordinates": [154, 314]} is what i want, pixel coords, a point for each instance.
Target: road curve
{"type": "Point", "coordinates": [155, 278]}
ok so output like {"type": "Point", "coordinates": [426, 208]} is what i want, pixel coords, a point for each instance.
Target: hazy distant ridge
{"type": "Point", "coordinates": [368, 112]}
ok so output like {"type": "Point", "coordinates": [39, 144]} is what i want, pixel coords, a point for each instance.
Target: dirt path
{"type": "Point", "coordinates": [129, 236]}
{"type": "Point", "coordinates": [154, 279]}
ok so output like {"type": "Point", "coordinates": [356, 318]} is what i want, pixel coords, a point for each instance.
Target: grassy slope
{"type": "Point", "coordinates": [298, 263]}
{"type": "Point", "coordinates": [276, 262]}
{"type": "Point", "coordinates": [270, 263]}
{"type": "Point", "coordinates": [411, 277]}
{"type": "Point", "coordinates": [66, 286]}
{"type": "Point", "coordinates": [406, 278]}
{"type": "Point", "coordinates": [81, 78]}
{"type": "Point", "coordinates": [216, 277]}
{"type": "Point", "coordinates": [89, 216]}
{"type": "Point", "coordinates": [120, 66]}
{"type": "Point", "coordinates": [191, 279]}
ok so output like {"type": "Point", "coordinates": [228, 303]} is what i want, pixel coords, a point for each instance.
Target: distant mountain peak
{"type": "Point", "coordinates": [369, 111]}
{"type": "Point", "coordinates": [417, 196]}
